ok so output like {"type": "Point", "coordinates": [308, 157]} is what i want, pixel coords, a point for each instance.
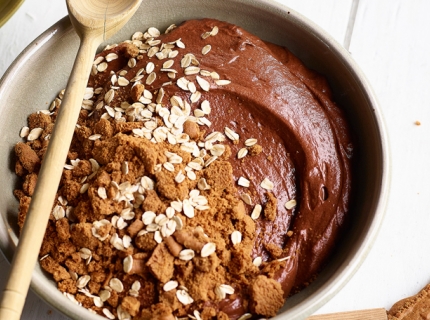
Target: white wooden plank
{"type": "Point", "coordinates": [31, 19]}
{"type": "Point", "coordinates": [331, 15]}
{"type": "Point", "coordinates": [390, 43]}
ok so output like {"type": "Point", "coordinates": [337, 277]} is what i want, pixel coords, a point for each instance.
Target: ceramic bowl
{"type": "Point", "coordinates": [42, 69]}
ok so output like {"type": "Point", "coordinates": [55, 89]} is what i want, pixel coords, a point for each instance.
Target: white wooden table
{"type": "Point", "coordinates": [390, 41]}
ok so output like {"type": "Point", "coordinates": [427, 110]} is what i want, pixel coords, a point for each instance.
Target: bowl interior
{"type": "Point", "coordinates": [42, 70]}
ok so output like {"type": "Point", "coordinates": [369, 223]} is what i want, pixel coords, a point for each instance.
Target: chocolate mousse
{"type": "Point", "coordinates": [209, 175]}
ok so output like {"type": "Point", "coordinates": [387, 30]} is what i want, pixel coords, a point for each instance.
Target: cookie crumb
{"type": "Point", "coordinates": [270, 208]}
{"type": "Point", "coordinates": [266, 296]}
{"type": "Point", "coordinates": [255, 150]}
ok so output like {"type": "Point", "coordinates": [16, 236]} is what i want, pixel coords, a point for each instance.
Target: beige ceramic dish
{"type": "Point", "coordinates": [41, 71]}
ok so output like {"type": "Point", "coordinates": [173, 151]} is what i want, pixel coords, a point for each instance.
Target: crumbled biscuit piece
{"type": "Point", "coordinates": [272, 267]}
{"type": "Point", "coordinates": [270, 208]}
{"type": "Point", "coordinates": [241, 260]}
{"type": "Point", "coordinates": [189, 240]}
{"type": "Point", "coordinates": [93, 287]}
{"type": "Point", "coordinates": [38, 120]}
{"type": "Point", "coordinates": [208, 313]}
{"type": "Point", "coordinates": [274, 250]}
{"type": "Point", "coordinates": [246, 226]}
{"type": "Point", "coordinates": [85, 301]}
{"type": "Point", "coordinates": [135, 227]}
{"type": "Point", "coordinates": [70, 189]}
{"type": "Point", "coordinates": [207, 264]}
{"type": "Point", "coordinates": [219, 176]}
{"type": "Point", "coordinates": [82, 236]}
{"type": "Point", "coordinates": [104, 127]}
{"type": "Point", "coordinates": [129, 50]}
{"type": "Point", "coordinates": [174, 247]}
{"type": "Point", "coordinates": [192, 129]}
{"type": "Point", "coordinates": [160, 311]}
{"type": "Point", "coordinates": [53, 267]}
{"type": "Point", "coordinates": [113, 299]}
{"type": "Point", "coordinates": [83, 211]}
{"type": "Point", "coordinates": [68, 285]}
{"type": "Point", "coordinates": [222, 316]}
{"type": "Point", "coordinates": [19, 169]}
{"type": "Point", "coordinates": [76, 264]}
{"type": "Point", "coordinates": [152, 202]}
{"type": "Point", "coordinates": [161, 263]}
{"type": "Point", "coordinates": [131, 305]}
{"type": "Point", "coordinates": [168, 188]}
{"type": "Point", "coordinates": [255, 150]}
{"type": "Point", "coordinates": [63, 250]}
{"type": "Point", "coordinates": [29, 184]}
{"type": "Point", "coordinates": [24, 204]}
{"type": "Point", "coordinates": [267, 296]}
{"type": "Point", "coordinates": [63, 229]}
{"type": "Point", "coordinates": [124, 127]}
{"type": "Point", "coordinates": [103, 206]}
{"type": "Point", "coordinates": [238, 211]}
{"type": "Point", "coordinates": [146, 242]}
{"type": "Point", "coordinates": [83, 168]}
{"type": "Point", "coordinates": [169, 299]}
{"type": "Point", "coordinates": [148, 294]}
{"type": "Point", "coordinates": [137, 91]}
{"type": "Point", "coordinates": [82, 133]}
{"type": "Point", "coordinates": [27, 157]}
{"type": "Point", "coordinates": [411, 308]}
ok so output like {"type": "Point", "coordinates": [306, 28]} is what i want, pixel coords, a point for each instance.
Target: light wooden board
{"type": "Point", "coordinates": [370, 314]}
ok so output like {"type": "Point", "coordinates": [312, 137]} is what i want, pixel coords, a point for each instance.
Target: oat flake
{"type": "Point", "coordinates": [257, 261]}
{"type": "Point", "coordinates": [34, 134]}
{"type": "Point", "coordinates": [267, 184]}
{"type": "Point", "coordinates": [208, 249]}
{"type": "Point", "coordinates": [203, 83]}
{"type": "Point", "coordinates": [290, 204]}
{"type": "Point", "coordinates": [236, 237]}
{"type": "Point", "coordinates": [245, 316]}
{"type": "Point", "coordinates": [186, 254]}
{"type": "Point", "coordinates": [116, 285]}
{"type": "Point", "coordinates": [243, 182]}
{"type": "Point", "coordinates": [184, 297]}
{"type": "Point", "coordinates": [170, 285]}
{"type": "Point", "coordinates": [256, 212]}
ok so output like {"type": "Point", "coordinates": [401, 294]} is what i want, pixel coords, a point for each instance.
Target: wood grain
{"type": "Point", "coordinates": [370, 314]}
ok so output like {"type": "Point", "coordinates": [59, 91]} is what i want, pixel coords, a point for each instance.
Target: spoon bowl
{"type": "Point", "coordinates": [94, 21]}
{"type": "Point", "coordinates": [100, 18]}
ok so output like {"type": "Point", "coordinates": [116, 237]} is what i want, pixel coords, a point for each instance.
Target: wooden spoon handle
{"type": "Point", "coordinates": [30, 241]}
{"type": "Point", "coordinates": [370, 314]}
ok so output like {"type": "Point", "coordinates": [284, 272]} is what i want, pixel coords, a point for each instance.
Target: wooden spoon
{"type": "Point", "coordinates": [370, 314]}
{"type": "Point", "coordinates": [94, 21]}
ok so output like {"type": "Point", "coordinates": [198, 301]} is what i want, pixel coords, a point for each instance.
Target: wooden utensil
{"type": "Point", "coordinates": [94, 22]}
{"type": "Point", "coordinates": [370, 314]}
